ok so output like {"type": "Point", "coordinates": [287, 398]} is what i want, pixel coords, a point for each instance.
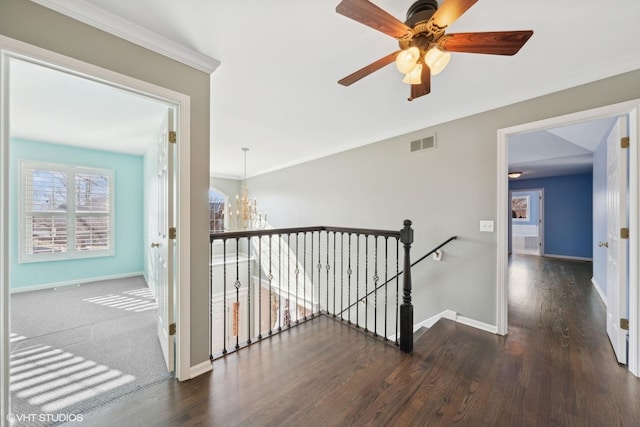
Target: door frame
{"type": "Point", "coordinates": [10, 48]}
{"type": "Point", "coordinates": [630, 108]}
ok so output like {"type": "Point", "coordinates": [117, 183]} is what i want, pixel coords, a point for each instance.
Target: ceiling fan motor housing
{"type": "Point", "coordinates": [418, 16]}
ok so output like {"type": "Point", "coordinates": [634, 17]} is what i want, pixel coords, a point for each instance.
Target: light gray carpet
{"type": "Point", "coordinates": [76, 348]}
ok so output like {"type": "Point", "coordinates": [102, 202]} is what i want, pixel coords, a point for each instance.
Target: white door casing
{"type": "Point", "coordinates": [617, 247]}
{"type": "Point", "coordinates": [164, 244]}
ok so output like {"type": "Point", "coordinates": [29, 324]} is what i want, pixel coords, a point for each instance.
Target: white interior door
{"type": "Point", "coordinates": [164, 244]}
{"type": "Point", "coordinates": [617, 247]}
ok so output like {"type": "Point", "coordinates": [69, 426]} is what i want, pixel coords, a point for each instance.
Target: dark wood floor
{"type": "Point", "coordinates": [554, 368]}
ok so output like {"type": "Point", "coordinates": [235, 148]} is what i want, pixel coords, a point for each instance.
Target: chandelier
{"type": "Point", "coordinates": [245, 216]}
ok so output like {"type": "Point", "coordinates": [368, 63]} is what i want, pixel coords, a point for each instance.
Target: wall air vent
{"type": "Point", "coordinates": [423, 144]}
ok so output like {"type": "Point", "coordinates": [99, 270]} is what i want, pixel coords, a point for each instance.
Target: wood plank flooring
{"type": "Point", "coordinates": [555, 368]}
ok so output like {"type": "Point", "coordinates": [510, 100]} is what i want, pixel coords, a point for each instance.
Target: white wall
{"type": "Point", "coordinates": [445, 191]}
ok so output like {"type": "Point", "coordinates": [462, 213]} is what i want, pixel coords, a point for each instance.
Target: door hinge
{"type": "Point", "coordinates": [172, 233]}
{"type": "Point", "coordinates": [172, 136]}
{"type": "Point", "coordinates": [624, 233]}
{"type": "Point", "coordinates": [624, 142]}
{"type": "Point", "coordinates": [172, 329]}
{"type": "Point", "coordinates": [624, 324]}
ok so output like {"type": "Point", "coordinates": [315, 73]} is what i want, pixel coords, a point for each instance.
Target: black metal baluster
{"type": "Point", "coordinates": [386, 283]}
{"type": "Point", "coordinates": [270, 278]}
{"type": "Point", "coordinates": [397, 287]}
{"type": "Point", "coordinates": [236, 317]}
{"type": "Point", "coordinates": [297, 272]}
{"type": "Point", "coordinates": [224, 296]}
{"type": "Point", "coordinates": [334, 274]}
{"type": "Point", "coordinates": [288, 312]}
{"type": "Point", "coordinates": [280, 314]}
{"type": "Point", "coordinates": [357, 280]}
{"type": "Point", "coordinates": [248, 290]}
{"type": "Point", "coordinates": [319, 270]}
{"type": "Point", "coordinates": [304, 274]}
{"type": "Point", "coordinates": [349, 271]}
{"type": "Point", "coordinates": [341, 276]}
{"type": "Point", "coordinates": [375, 287]}
{"type": "Point", "coordinates": [328, 267]}
{"type": "Point", "coordinates": [366, 282]}
{"type": "Point", "coordinates": [311, 265]}
{"type": "Point", "coordinates": [260, 287]}
{"type": "Point", "coordinates": [210, 298]}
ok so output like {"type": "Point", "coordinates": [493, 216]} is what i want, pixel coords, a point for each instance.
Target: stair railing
{"type": "Point", "coordinates": [263, 282]}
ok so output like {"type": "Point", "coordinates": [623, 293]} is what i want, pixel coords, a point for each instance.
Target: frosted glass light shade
{"type": "Point", "coordinates": [406, 59]}
{"type": "Point", "coordinates": [437, 60]}
{"type": "Point", "coordinates": [414, 77]}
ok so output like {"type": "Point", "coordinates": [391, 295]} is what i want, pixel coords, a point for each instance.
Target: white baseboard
{"type": "Point", "coordinates": [603, 297]}
{"type": "Point", "coordinates": [477, 324]}
{"type": "Point", "coordinates": [452, 315]}
{"type": "Point", "coordinates": [447, 314]}
{"type": "Point", "coordinates": [73, 282]}
{"type": "Point", "coordinates": [569, 257]}
{"type": "Point", "coordinates": [200, 368]}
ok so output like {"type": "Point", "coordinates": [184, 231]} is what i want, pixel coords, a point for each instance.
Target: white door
{"type": "Point", "coordinates": [617, 247]}
{"type": "Point", "coordinates": [163, 244]}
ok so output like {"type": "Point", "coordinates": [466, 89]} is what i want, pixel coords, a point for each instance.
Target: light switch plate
{"type": "Point", "coordinates": [486, 226]}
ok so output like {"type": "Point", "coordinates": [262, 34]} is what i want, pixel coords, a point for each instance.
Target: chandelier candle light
{"type": "Point", "coordinates": [246, 216]}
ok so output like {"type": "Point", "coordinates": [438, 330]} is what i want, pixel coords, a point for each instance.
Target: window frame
{"type": "Point", "coordinates": [71, 214]}
{"type": "Point", "coordinates": [526, 197]}
{"type": "Point", "coordinates": [225, 210]}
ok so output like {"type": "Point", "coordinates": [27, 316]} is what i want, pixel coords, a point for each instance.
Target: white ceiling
{"type": "Point", "coordinates": [53, 106]}
{"type": "Point", "coordinates": [276, 89]}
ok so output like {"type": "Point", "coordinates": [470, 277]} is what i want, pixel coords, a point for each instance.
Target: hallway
{"type": "Point", "coordinates": [555, 367]}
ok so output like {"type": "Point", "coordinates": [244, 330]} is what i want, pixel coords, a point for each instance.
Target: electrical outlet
{"type": "Point", "coordinates": [486, 226]}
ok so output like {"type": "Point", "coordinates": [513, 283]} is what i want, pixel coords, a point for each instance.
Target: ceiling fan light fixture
{"type": "Point", "coordinates": [414, 77]}
{"type": "Point", "coordinates": [407, 59]}
{"type": "Point", "coordinates": [437, 60]}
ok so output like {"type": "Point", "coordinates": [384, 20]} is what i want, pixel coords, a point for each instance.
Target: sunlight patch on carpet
{"type": "Point", "coordinates": [135, 300]}
{"type": "Point", "coordinates": [54, 379]}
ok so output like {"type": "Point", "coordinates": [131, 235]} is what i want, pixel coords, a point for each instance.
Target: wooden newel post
{"type": "Point", "coordinates": [406, 308]}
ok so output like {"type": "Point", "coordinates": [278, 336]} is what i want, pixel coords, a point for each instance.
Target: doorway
{"type": "Point", "coordinates": [527, 226]}
{"type": "Point", "coordinates": [15, 50]}
{"type": "Point", "coordinates": [630, 109]}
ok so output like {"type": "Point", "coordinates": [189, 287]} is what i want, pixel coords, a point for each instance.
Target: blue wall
{"type": "Point", "coordinates": [568, 213]}
{"type": "Point", "coordinates": [128, 207]}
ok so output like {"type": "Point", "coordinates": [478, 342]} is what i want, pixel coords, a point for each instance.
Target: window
{"type": "Point", "coordinates": [66, 212]}
{"type": "Point", "coordinates": [217, 203]}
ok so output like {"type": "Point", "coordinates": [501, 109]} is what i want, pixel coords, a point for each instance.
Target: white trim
{"type": "Point", "coordinates": [74, 282]}
{"type": "Point", "coordinates": [24, 51]}
{"type": "Point", "coordinates": [200, 368]}
{"type": "Point", "coordinates": [632, 108]}
{"type": "Point", "coordinates": [603, 296]}
{"type": "Point", "coordinates": [477, 324]}
{"type": "Point", "coordinates": [568, 257]}
{"type": "Point", "coordinates": [447, 314]}
{"type": "Point", "coordinates": [106, 21]}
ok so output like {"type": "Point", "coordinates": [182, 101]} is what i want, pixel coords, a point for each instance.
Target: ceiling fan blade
{"type": "Point", "coordinates": [493, 43]}
{"type": "Point", "coordinates": [425, 87]}
{"type": "Point", "coordinates": [372, 16]}
{"type": "Point", "coordinates": [449, 11]}
{"type": "Point", "coordinates": [365, 71]}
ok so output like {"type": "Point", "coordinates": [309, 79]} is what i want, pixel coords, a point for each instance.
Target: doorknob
{"type": "Point", "coordinates": [605, 244]}
{"type": "Point", "coordinates": [155, 245]}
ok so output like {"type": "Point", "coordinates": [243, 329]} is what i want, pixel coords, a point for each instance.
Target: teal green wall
{"type": "Point", "coordinates": [129, 196]}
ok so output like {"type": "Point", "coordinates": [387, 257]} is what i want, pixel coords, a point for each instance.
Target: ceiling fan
{"type": "Point", "coordinates": [424, 46]}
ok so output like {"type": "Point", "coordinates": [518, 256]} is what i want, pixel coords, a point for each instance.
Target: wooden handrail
{"type": "Point", "coordinates": [296, 230]}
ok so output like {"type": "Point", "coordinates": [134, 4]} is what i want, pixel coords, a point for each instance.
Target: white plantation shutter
{"type": "Point", "coordinates": [67, 212]}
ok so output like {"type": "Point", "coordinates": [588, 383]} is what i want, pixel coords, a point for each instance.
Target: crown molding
{"type": "Point", "coordinates": [99, 18]}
